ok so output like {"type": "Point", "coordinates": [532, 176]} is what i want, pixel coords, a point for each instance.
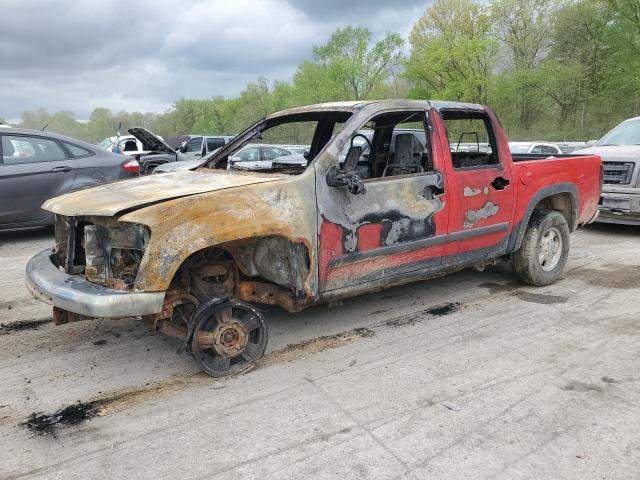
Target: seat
{"type": "Point", "coordinates": [408, 156]}
{"type": "Point", "coordinates": [130, 146]}
{"type": "Point", "coordinates": [7, 152]}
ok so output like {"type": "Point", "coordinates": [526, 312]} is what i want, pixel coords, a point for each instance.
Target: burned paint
{"type": "Point", "coordinates": [474, 216]}
{"type": "Point", "coordinates": [471, 192]}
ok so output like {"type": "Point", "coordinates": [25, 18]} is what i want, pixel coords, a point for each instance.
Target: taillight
{"type": "Point", "coordinates": [130, 165]}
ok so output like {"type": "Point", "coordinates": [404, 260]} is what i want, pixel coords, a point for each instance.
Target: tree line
{"type": "Point", "coordinates": [553, 70]}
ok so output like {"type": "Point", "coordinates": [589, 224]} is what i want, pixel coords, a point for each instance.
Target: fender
{"type": "Point", "coordinates": [519, 229]}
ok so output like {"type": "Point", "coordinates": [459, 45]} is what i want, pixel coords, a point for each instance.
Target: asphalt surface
{"type": "Point", "coordinates": [468, 376]}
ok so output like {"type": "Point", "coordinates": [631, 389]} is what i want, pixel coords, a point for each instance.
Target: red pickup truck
{"type": "Point", "coordinates": [394, 191]}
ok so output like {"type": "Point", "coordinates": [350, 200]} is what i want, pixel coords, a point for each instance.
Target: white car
{"type": "Point", "coordinates": [199, 146]}
{"type": "Point", "coordinates": [534, 147]}
{"type": "Point", "coordinates": [257, 156]}
{"type": "Point", "coordinates": [125, 144]}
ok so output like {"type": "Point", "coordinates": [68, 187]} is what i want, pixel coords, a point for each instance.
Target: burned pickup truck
{"type": "Point", "coordinates": [195, 252]}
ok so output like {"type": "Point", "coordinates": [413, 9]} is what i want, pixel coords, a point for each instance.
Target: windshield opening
{"type": "Point", "coordinates": [627, 133]}
{"type": "Point", "coordinates": [286, 144]}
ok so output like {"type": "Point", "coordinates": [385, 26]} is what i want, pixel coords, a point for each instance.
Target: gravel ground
{"type": "Point", "coordinates": [468, 376]}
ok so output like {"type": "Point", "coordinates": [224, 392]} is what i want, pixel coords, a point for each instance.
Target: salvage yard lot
{"type": "Point", "coordinates": [468, 376]}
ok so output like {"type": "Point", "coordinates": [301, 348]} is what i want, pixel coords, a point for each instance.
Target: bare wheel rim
{"type": "Point", "coordinates": [229, 339]}
{"type": "Point", "coordinates": [550, 249]}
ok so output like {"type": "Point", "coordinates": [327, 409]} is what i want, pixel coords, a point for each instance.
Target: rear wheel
{"type": "Point", "coordinates": [545, 248]}
{"type": "Point", "coordinates": [228, 338]}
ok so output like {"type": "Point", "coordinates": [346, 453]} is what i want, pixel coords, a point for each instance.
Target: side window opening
{"type": "Point", "coordinates": [389, 145]}
{"type": "Point", "coordinates": [22, 149]}
{"type": "Point", "coordinates": [214, 143]}
{"type": "Point", "coordinates": [194, 145]}
{"type": "Point", "coordinates": [471, 139]}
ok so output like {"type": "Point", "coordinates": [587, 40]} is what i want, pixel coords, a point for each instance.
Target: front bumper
{"type": "Point", "coordinates": [75, 293]}
{"type": "Point", "coordinates": [620, 208]}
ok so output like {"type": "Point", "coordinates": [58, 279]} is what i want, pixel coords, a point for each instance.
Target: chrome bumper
{"type": "Point", "coordinates": [76, 294]}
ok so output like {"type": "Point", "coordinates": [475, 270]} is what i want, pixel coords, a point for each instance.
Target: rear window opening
{"type": "Point", "coordinates": [471, 139]}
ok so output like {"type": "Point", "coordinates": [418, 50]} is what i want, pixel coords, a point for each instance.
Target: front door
{"type": "Point", "coordinates": [479, 185]}
{"type": "Point", "coordinates": [395, 229]}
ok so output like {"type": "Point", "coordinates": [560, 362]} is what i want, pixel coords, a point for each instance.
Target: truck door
{"type": "Point", "coordinates": [398, 227]}
{"type": "Point", "coordinates": [479, 185]}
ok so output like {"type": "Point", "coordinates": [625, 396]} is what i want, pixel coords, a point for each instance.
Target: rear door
{"type": "Point", "coordinates": [33, 169]}
{"type": "Point", "coordinates": [479, 185]}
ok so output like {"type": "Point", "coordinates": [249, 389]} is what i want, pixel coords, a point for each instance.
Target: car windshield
{"type": "Point", "coordinates": [258, 146]}
{"type": "Point", "coordinates": [106, 143]}
{"type": "Point", "coordinates": [627, 133]}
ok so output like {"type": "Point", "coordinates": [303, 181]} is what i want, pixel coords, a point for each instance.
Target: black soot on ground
{"type": "Point", "coordinates": [412, 319]}
{"type": "Point", "coordinates": [47, 424]}
{"type": "Point", "coordinates": [7, 328]}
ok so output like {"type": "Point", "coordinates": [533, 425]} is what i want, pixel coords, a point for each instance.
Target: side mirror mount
{"type": "Point", "coordinates": [305, 154]}
{"type": "Point", "coordinates": [353, 182]}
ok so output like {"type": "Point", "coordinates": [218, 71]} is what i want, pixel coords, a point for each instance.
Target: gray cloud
{"type": "Point", "coordinates": [143, 55]}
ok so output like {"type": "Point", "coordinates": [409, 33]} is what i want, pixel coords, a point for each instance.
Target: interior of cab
{"type": "Point", "coordinates": [390, 144]}
{"type": "Point", "coordinates": [471, 139]}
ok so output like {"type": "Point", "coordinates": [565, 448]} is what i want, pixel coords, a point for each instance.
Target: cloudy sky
{"type": "Point", "coordinates": [141, 55]}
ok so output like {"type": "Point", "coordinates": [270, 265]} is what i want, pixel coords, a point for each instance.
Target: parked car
{"type": "Point", "coordinates": [121, 144]}
{"type": "Point", "coordinates": [193, 251]}
{"type": "Point", "coordinates": [534, 147]}
{"type": "Point", "coordinates": [253, 157]}
{"type": "Point", "coordinates": [261, 156]}
{"type": "Point", "coordinates": [39, 165]}
{"type": "Point", "coordinates": [199, 146]}
{"type": "Point", "coordinates": [620, 152]}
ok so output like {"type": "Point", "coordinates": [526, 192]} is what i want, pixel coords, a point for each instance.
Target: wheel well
{"type": "Point", "coordinates": [270, 269]}
{"type": "Point", "coordinates": [561, 202]}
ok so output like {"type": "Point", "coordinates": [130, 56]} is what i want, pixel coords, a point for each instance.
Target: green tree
{"type": "Point", "coordinates": [349, 66]}
{"type": "Point", "coordinates": [522, 26]}
{"type": "Point", "coordinates": [453, 53]}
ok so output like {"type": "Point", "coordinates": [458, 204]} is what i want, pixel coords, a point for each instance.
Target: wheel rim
{"type": "Point", "coordinates": [550, 249]}
{"type": "Point", "coordinates": [229, 338]}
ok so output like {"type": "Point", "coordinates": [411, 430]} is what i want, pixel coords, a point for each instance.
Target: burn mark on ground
{"type": "Point", "coordinates": [53, 423]}
{"type": "Point", "coordinates": [48, 424]}
{"type": "Point", "coordinates": [582, 387]}
{"type": "Point", "coordinates": [500, 287]}
{"type": "Point", "coordinates": [42, 423]}
{"type": "Point", "coordinates": [295, 351]}
{"type": "Point", "coordinates": [541, 298]}
{"type": "Point", "coordinates": [415, 317]}
{"type": "Point", "coordinates": [513, 289]}
{"type": "Point", "coordinates": [613, 275]}
{"type": "Point", "coordinates": [7, 328]}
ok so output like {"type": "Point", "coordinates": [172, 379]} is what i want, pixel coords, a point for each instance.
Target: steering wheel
{"type": "Point", "coordinates": [365, 138]}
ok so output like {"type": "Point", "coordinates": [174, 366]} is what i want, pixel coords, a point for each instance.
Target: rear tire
{"type": "Point", "coordinates": [544, 250]}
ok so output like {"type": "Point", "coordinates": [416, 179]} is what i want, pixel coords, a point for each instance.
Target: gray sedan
{"type": "Point", "coordinates": [39, 165]}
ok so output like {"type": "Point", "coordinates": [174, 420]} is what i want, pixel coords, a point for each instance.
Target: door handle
{"type": "Point", "coordinates": [63, 169]}
{"type": "Point", "coordinates": [499, 183]}
{"type": "Point", "coordinates": [198, 155]}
